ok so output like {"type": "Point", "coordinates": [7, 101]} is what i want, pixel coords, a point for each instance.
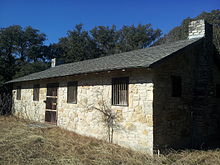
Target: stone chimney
{"type": "Point", "coordinates": [53, 62]}
{"type": "Point", "coordinates": [200, 28]}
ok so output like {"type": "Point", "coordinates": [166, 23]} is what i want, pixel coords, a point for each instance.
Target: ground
{"type": "Point", "coordinates": [23, 143]}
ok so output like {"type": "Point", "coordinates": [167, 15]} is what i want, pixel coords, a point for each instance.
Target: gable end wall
{"type": "Point", "coordinates": [192, 120]}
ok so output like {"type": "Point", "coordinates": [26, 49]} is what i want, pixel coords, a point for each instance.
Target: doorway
{"type": "Point", "coordinates": [51, 103]}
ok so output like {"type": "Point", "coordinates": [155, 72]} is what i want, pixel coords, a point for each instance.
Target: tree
{"type": "Point", "coordinates": [142, 36]}
{"type": "Point", "coordinates": [19, 47]}
{"type": "Point", "coordinates": [78, 45]}
{"type": "Point", "coordinates": [103, 40]}
{"type": "Point", "coordinates": [26, 42]}
{"type": "Point", "coordinates": [31, 68]}
{"type": "Point", "coordinates": [7, 48]}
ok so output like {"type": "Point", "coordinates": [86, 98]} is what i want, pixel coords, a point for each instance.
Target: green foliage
{"type": "Point", "coordinates": [181, 32]}
{"type": "Point", "coordinates": [18, 48]}
{"type": "Point", "coordinates": [31, 68]}
{"type": "Point", "coordinates": [142, 36]}
{"type": "Point", "coordinates": [77, 46]}
{"type": "Point", "coordinates": [103, 40]}
{"type": "Point", "coordinates": [52, 51]}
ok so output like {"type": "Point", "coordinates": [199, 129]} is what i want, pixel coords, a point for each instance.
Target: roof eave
{"type": "Point", "coordinates": [97, 71]}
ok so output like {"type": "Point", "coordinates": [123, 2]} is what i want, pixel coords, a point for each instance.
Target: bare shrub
{"type": "Point", "coordinates": [109, 118]}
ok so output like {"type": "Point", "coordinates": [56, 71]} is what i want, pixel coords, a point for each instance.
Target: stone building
{"type": "Point", "coordinates": [166, 96]}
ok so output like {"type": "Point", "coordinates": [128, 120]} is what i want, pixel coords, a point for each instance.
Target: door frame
{"type": "Point", "coordinates": [56, 85]}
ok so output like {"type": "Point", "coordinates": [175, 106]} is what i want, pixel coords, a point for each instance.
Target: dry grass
{"type": "Point", "coordinates": [20, 144]}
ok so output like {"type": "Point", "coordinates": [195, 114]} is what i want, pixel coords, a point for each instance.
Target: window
{"type": "Point", "coordinates": [36, 92]}
{"type": "Point", "coordinates": [217, 92]}
{"type": "Point", "coordinates": [120, 91]}
{"type": "Point", "coordinates": [18, 97]}
{"type": "Point", "coordinates": [176, 83]}
{"type": "Point", "coordinates": [72, 92]}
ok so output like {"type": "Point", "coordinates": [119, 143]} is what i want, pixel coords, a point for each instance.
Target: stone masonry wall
{"type": "Point", "coordinates": [206, 107]}
{"type": "Point", "coordinates": [134, 122]}
{"type": "Point", "coordinates": [192, 120]}
{"type": "Point", "coordinates": [172, 115]}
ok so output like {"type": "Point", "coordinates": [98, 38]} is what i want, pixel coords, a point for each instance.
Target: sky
{"type": "Point", "coordinates": [56, 17]}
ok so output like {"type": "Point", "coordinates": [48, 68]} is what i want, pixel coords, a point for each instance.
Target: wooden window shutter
{"type": "Point", "coordinates": [18, 88]}
{"type": "Point", "coordinates": [72, 92]}
{"type": "Point", "coordinates": [120, 91]}
{"type": "Point", "coordinates": [36, 92]}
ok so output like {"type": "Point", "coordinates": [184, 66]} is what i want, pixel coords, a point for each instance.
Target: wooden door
{"type": "Point", "coordinates": [51, 103]}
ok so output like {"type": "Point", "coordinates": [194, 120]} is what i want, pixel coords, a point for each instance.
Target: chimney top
{"type": "Point", "coordinates": [199, 28]}
{"type": "Point", "coordinates": [53, 62]}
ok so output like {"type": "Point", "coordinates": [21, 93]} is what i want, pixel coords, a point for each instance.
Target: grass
{"type": "Point", "coordinates": [21, 144]}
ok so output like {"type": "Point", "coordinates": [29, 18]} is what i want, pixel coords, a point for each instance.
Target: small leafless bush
{"type": "Point", "coordinates": [109, 117]}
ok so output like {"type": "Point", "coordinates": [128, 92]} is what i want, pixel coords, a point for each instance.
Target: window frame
{"type": "Point", "coordinates": [74, 85]}
{"type": "Point", "coordinates": [176, 86]}
{"type": "Point", "coordinates": [36, 91]}
{"type": "Point", "coordinates": [52, 96]}
{"type": "Point", "coordinates": [117, 83]}
{"type": "Point", "coordinates": [18, 92]}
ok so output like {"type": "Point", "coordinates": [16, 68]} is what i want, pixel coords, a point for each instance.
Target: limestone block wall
{"type": "Point", "coordinates": [134, 123]}
{"type": "Point", "coordinates": [26, 107]}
